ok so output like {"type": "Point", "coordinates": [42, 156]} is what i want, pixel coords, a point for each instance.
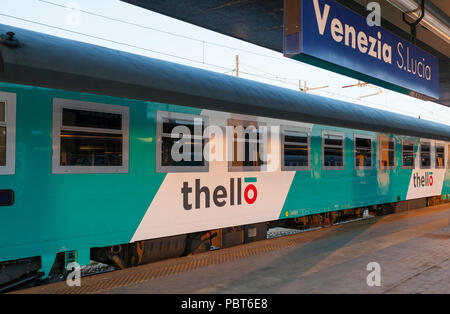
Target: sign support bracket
{"type": "Point", "coordinates": [414, 24]}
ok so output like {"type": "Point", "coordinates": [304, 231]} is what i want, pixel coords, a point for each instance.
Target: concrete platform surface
{"type": "Point", "coordinates": [412, 250]}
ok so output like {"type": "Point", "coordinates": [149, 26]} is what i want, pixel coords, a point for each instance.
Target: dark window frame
{"type": "Point", "coordinates": [439, 145]}
{"type": "Point", "coordinates": [408, 143]}
{"type": "Point", "coordinates": [448, 156]}
{"type": "Point", "coordinates": [363, 136]}
{"type": "Point", "coordinates": [9, 126]}
{"type": "Point", "coordinates": [295, 129]}
{"type": "Point", "coordinates": [59, 104]}
{"type": "Point", "coordinates": [427, 143]}
{"type": "Point", "coordinates": [160, 116]}
{"type": "Point", "coordinates": [333, 133]}
{"type": "Point", "coordinates": [381, 149]}
{"type": "Point", "coordinates": [236, 122]}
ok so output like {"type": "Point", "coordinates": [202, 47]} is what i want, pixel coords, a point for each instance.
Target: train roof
{"type": "Point", "coordinates": [48, 61]}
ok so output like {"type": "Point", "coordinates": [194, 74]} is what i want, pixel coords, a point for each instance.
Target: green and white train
{"type": "Point", "coordinates": [86, 170]}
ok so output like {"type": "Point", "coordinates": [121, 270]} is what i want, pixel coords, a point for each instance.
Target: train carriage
{"type": "Point", "coordinates": [88, 170]}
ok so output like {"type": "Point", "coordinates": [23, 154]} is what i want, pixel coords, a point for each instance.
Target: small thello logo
{"type": "Point", "coordinates": [220, 195]}
{"type": "Point", "coordinates": [423, 181]}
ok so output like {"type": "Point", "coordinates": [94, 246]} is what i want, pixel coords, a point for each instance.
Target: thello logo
{"type": "Point", "coordinates": [220, 195]}
{"type": "Point", "coordinates": [423, 181]}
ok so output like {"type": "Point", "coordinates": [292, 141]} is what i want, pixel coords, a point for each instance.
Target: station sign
{"type": "Point", "coordinates": [327, 34]}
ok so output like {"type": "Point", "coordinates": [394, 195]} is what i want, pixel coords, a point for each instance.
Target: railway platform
{"type": "Point", "coordinates": [411, 248]}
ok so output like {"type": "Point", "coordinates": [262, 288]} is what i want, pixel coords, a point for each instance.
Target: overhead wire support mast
{"type": "Point", "coordinates": [307, 89]}
{"type": "Point", "coordinates": [364, 84]}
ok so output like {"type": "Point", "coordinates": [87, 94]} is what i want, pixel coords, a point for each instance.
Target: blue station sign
{"type": "Point", "coordinates": [327, 34]}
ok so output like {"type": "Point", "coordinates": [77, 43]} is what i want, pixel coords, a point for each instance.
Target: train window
{"type": "Point", "coordinates": [333, 150]}
{"type": "Point", "coordinates": [363, 152]}
{"type": "Point", "coordinates": [408, 155]}
{"type": "Point", "coordinates": [448, 156]}
{"type": "Point", "coordinates": [7, 132]}
{"type": "Point", "coordinates": [180, 142]}
{"type": "Point", "coordinates": [2, 111]}
{"type": "Point", "coordinates": [440, 156]}
{"type": "Point", "coordinates": [387, 156]}
{"type": "Point", "coordinates": [296, 151]}
{"type": "Point", "coordinates": [2, 134]}
{"type": "Point", "coordinates": [247, 146]}
{"type": "Point", "coordinates": [89, 137]}
{"type": "Point", "coordinates": [425, 155]}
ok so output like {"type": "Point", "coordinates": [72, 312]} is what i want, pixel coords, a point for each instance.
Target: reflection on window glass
{"type": "Point", "coordinates": [247, 145]}
{"type": "Point", "coordinates": [425, 155]}
{"type": "Point", "coordinates": [92, 119]}
{"type": "Point", "coordinates": [2, 146]}
{"type": "Point", "coordinates": [333, 157]}
{"type": "Point", "coordinates": [190, 158]}
{"type": "Point", "coordinates": [363, 152]}
{"type": "Point", "coordinates": [2, 111]}
{"type": "Point", "coordinates": [333, 151]}
{"type": "Point", "coordinates": [195, 157]}
{"type": "Point", "coordinates": [296, 149]}
{"type": "Point", "coordinates": [440, 156]}
{"type": "Point", "coordinates": [90, 149]}
{"type": "Point", "coordinates": [387, 159]}
{"type": "Point", "coordinates": [170, 124]}
{"type": "Point", "coordinates": [80, 146]}
{"type": "Point", "coordinates": [448, 157]}
{"type": "Point", "coordinates": [408, 155]}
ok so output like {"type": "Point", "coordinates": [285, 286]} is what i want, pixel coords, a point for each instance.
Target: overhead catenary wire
{"type": "Point", "coordinates": [156, 51]}
{"type": "Point", "coordinates": [228, 70]}
{"type": "Point", "coordinates": [266, 78]}
{"type": "Point", "coordinates": [279, 79]}
{"type": "Point", "coordinates": [114, 41]}
{"type": "Point", "coordinates": [171, 33]}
